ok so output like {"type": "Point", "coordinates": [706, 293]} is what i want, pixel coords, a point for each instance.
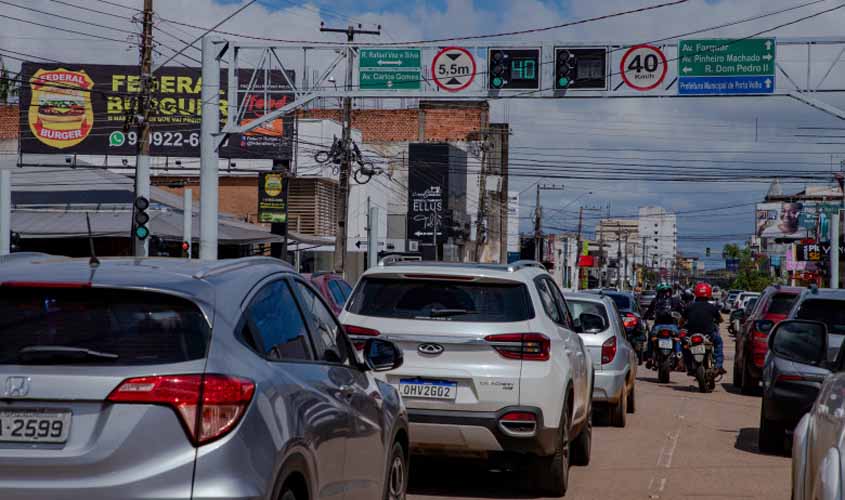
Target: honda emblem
{"type": "Point", "coordinates": [16, 387]}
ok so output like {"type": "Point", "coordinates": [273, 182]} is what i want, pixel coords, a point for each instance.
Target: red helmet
{"type": "Point", "coordinates": [703, 290]}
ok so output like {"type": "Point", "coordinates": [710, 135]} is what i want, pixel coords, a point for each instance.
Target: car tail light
{"type": "Point", "coordinates": [608, 350]}
{"type": "Point", "coordinates": [759, 359]}
{"type": "Point", "coordinates": [525, 346]}
{"type": "Point", "coordinates": [630, 320]}
{"type": "Point", "coordinates": [357, 331]}
{"type": "Point", "coordinates": [664, 334]}
{"type": "Point", "coordinates": [209, 406]}
{"type": "Point", "coordinates": [519, 422]}
{"type": "Point", "coordinates": [784, 377]}
{"type": "Point", "coordinates": [697, 339]}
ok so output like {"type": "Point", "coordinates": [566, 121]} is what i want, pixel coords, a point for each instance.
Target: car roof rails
{"type": "Point", "coordinates": [225, 266]}
{"type": "Point", "coordinates": [523, 264]}
{"type": "Point", "coordinates": [399, 259]}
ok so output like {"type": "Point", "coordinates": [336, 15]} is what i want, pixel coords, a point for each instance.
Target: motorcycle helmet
{"type": "Point", "coordinates": [664, 287]}
{"type": "Point", "coordinates": [703, 290]}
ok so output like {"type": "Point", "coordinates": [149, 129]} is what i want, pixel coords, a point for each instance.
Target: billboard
{"type": "Point", "coordinates": [272, 198]}
{"type": "Point", "coordinates": [87, 109]}
{"type": "Point", "coordinates": [782, 221]}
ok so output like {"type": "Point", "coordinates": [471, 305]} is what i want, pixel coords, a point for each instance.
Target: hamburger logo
{"type": "Point", "coordinates": [60, 113]}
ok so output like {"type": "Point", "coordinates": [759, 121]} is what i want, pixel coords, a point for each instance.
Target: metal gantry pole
{"type": "Point", "coordinates": [142, 162]}
{"type": "Point", "coordinates": [209, 157]}
{"type": "Point", "coordinates": [834, 249]}
{"type": "Point", "coordinates": [5, 212]}
{"type": "Point", "coordinates": [187, 220]}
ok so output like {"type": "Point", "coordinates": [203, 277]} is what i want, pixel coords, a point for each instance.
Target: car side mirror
{"type": "Point", "coordinates": [382, 355]}
{"type": "Point", "coordinates": [591, 323]}
{"type": "Point", "coordinates": [764, 326]}
{"type": "Point", "coordinates": [800, 341]}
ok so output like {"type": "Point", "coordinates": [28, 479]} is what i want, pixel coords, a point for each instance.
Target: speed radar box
{"type": "Point", "coordinates": [89, 109]}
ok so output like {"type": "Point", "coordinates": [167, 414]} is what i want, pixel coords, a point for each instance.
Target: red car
{"type": "Point", "coordinates": [332, 287]}
{"type": "Point", "coordinates": [752, 340]}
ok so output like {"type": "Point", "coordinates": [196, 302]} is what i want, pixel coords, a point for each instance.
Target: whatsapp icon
{"type": "Point", "coordinates": [116, 139]}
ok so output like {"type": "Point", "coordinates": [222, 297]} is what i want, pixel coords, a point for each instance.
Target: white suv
{"type": "Point", "coordinates": [493, 366]}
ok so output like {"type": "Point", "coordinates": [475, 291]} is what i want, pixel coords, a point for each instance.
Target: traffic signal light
{"type": "Point", "coordinates": [565, 71]}
{"type": "Point", "coordinates": [580, 68]}
{"type": "Point", "coordinates": [141, 218]}
{"type": "Point", "coordinates": [15, 241]}
{"type": "Point", "coordinates": [186, 248]}
{"type": "Point", "coordinates": [707, 252]}
{"type": "Point", "coordinates": [513, 69]}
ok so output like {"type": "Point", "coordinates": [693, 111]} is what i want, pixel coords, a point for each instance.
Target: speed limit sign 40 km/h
{"type": "Point", "coordinates": [453, 69]}
{"type": "Point", "coordinates": [644, 67]}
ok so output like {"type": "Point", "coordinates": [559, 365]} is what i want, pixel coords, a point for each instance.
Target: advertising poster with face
{"type": "Point", "coordinates": [780, 221]}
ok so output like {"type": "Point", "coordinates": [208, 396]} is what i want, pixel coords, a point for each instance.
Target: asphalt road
{"type": "Point", "coordinates": [680, 444]}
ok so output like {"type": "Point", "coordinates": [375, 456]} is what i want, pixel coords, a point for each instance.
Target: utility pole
{"type": "Point", "coordinates": [601, 255]}
{"type": "Point", "coordinates": [482, 200]}
{"type": "Point", "coordinates": [618, 255]}
{"type": "Point", "coordinates": [538, 218]}
{"type": "Point", "coordinates": [142, 162]}
{"type": "Point", "coordinates": [625, 281]}
{"type": "Point", "coordinates": [209, 158]}
{"type": "Point", "coordinates": [5, 212]}
{"type": "Point", "coordinates": [346, 164]}
{"type": "Point", "coordinates": [645, 251]}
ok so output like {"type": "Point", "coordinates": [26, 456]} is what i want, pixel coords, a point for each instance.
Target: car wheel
{"type": "Point", "coordinates": [770, 438]}
{"type": "Point", "coordinates": [619, 411]}
{"type": "Point", "coordinates": [396, 482]}
{"type": "Point", "coordinates": [632, 400]}
{"type": "Point", "coordinates": [583, 444]}
{"type": "Point", "coordinates": [749, 385]}
{"type": "Point", "coordinates": [552, 473]}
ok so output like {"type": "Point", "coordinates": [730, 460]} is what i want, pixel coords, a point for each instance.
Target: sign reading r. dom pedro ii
{"type": "Point", "coordinates": [84, 109]}
{"type": "Point", "coordinates": [272, 198]}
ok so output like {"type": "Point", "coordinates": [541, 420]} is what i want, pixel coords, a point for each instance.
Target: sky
{"type": "Point", "coordinates": [690, 134]}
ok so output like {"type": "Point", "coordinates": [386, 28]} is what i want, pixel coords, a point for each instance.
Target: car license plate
{"type": "Point", "coordinates": [664, 343]}
{"type": "Point", "coordinates": [698, 349]}
{"type": "Point", "coordinates": [428, 389]}
{"type": "Point", "coordinates": [34, 426]}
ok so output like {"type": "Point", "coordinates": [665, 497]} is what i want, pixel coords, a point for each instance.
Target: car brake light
{"type": "Point", "coordinates": [697, 339]}
{"type": "Point", "coordinates": [209, 406]}
{"type": "Point", "coordinates": [789, 378]}
{"type": "Point", "coordinates": [357, 331]}
{"type": "Point", "coordinates": [630, 321]}
{"type": "Point", "coordinates": [608, 350]}
{"type": "Point", "coordinates": [758, 335]}
{"type": "Point", "coordinates": [524, 346]}
{"type": "Point", "coordinates": [519, 422]}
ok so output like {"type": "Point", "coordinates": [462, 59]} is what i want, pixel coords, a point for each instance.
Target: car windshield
{"type": "Point", "coordinates": [623, 302]}
{"type": "Point", "coordinates": [441, 300]}
{"type": "Point", "coordinates": [782, 303]}
{"type": "Point", "coordinates": [829, 312]}
{"type": "Point", "coordinates": [98, 326]}
{"type": "Point", "coordinates": [579, 307]}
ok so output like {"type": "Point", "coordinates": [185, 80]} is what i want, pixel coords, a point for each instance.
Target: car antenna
{"type": "Point", "coordinates": [93, 261]}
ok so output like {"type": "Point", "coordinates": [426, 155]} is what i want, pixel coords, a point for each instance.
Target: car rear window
{"type": "Point", "coordinates": [623, 302]}
{"type": "Point", "coordinates": [441, 300]}
{"type": "Point", "coordinates": [579, 307]}
{"type": "Point", "coordinates": [782, 303]}
{"type": "Point", "coordinates": [130, 327]}
{"type": "Point", "coordinates": [830, 312]}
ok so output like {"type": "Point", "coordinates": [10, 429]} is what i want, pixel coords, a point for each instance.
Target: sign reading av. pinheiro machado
{"type": "Point", "coordinates": [726, 67]}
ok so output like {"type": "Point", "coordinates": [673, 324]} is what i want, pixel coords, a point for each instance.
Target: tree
{"type": "Point", "coordinates": [8, 87]}
{"type": "Point", "coordinates": [751, 275]}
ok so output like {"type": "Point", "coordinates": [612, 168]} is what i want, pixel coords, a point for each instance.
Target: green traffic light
{"type": "Point", "coordinates": [563, 82]}
{"type": "Point", "coordinates": [141, 232]}
{"type": "Point", "coordinates": [498, 82]}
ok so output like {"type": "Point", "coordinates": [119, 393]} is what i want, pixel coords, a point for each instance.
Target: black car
{"type": "Point", "coordinates": [629, 309]}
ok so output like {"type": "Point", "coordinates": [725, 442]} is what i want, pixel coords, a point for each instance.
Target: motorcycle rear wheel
{"type": "Point", "coordinates": [701, 377]}
{"type": "Point", "coordinates": [663, 373]}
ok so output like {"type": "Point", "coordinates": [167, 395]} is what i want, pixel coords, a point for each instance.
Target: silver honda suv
{"type": "Point", "coordinates": [169, 379]}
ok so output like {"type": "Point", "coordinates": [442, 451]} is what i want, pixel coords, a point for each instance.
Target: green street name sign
{"type": "Point", "coordinates": [750, 57]}
{"type": "Point", "coordinates": [390, 69]}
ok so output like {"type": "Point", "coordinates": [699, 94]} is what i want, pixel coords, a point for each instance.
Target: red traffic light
{"type": "Point", "coordinates": [186, 246]}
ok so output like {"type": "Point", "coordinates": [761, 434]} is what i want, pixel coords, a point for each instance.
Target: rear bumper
{"type": "Point", "coordinates": [788, 403]}
{"type": "Point", "coordinates": [609, 384]}
{"type": "Point", "coordinates": [456, 432]}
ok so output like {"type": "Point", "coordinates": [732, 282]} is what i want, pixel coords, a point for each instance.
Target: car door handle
{"type": "Point", "coordinates": [347, 391]}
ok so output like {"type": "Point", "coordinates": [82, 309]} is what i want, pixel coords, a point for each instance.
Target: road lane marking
{"type": "Point", "coordinates": [658, 481]}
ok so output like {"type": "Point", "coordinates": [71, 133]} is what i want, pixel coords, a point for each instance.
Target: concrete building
{"type": "Point", "coordinates": [659, 228]}
{"type": "Point", "coordinates": [622, 253]}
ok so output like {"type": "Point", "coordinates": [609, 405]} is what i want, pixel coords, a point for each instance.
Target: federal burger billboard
{"type": "Point", "coordinates": [88, 109]}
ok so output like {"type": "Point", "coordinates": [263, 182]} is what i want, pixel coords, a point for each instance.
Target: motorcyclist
{"type": "Point", "coordinates": [702, 317]}
{"type": "Point", "coordinates": [687, 297]}
{"type": "Point", "coordinates": [660, 310]}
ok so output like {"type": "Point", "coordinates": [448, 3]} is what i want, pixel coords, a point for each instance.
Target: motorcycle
{"type": "Point", "coordinates": [664, 340]}
{"type": "Point", "coordinates": [701, 356]}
